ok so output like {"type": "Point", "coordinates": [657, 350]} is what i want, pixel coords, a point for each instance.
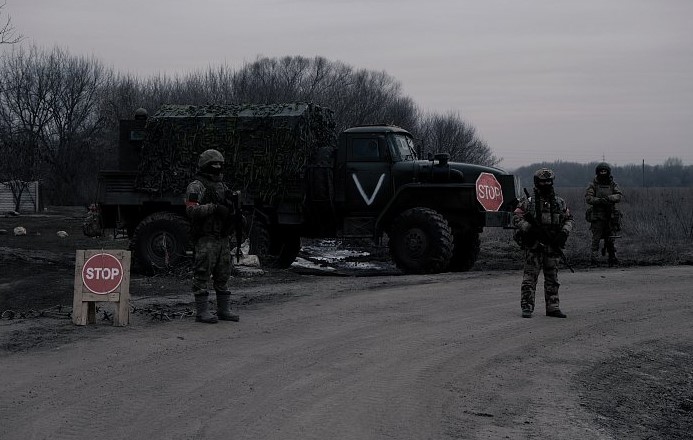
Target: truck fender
{"type": "Point", "coordinates": [454, 196]}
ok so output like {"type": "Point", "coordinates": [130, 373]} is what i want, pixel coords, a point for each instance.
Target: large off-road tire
{"type": "Point", "coordinates": [159, 241]}
{"type": "Point", "coordinates": [465, 251]}
{"type": "Point", "coordinates": [275, 250]}
{"type": "Point", "coordinates": [420, 241]}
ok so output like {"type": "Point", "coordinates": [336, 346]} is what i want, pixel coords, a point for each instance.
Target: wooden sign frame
{"type": "Point", "coordinates": [84, 302]}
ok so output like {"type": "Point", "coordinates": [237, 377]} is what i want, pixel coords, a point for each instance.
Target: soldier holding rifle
{"type": "Point", "coordinates": [213, 217]}
{"type": "Point", "coordinates": [601, 197]}
{"type": "Point", "coordinates": [544, 223]}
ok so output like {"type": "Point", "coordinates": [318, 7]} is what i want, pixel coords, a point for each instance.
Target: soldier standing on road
{"type": "Point", "coordinates": [544, 223]}
{"type": "Point", "coordinates": [601, 197]}
{"type": "Point", "coordinates": [212, 223]}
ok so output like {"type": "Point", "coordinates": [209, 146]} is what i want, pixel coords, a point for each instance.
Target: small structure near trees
{"type": "Point", "coordinates": [20, 196]}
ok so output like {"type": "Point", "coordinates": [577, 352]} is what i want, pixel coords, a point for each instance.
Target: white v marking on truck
{"type": "Point", "coordinates": [367, 199]}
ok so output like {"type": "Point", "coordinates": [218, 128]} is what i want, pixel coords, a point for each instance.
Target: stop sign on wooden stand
{"type": "Point", "coordinates": [489, 192]}
{"type": "Point", "coordinates": [101, 276]}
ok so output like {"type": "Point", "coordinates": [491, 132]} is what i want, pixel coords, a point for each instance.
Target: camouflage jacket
{"type": "Point", "coordinates": [201, 199]}
{"type": "Point", "coordinates": [541, 218]}
{"type": "Point", "coordinates": [601, 200]}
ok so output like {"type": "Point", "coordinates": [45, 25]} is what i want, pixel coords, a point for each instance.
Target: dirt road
{"type": "Point", "coordinates": [404, 357]}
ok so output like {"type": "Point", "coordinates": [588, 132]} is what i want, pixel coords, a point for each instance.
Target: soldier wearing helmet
{"type": "Point", "coordinates": [601, 197]}
{"type": "Point", "coordinates": [211, 217]}
{"type": "Point", "coordinates": [544, 223]}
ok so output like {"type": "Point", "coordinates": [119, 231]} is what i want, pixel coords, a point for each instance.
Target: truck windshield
{"type": "Point", "coordinates": [402, 147]}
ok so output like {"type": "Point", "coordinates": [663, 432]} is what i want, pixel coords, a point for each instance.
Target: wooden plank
{"type": "Point", "coordinates": [121, 316]}
{"type": "Point", "coordinates": [88, 295]}
{"type": "Point", "coordinates": [79, 308]}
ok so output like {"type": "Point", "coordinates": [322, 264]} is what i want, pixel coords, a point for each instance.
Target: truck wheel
{"type": "Point", "coordinates": [465, 251]}
{"type": "Point", "coordinates": [276, 250]}
{"type": "Point", "coordinates": [160, 240]}
{"type": "Point", "coordinates": [421, 241]}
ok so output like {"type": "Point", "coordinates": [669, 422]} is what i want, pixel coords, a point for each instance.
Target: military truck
{"type": "Point", "coordinates": [299, 179]}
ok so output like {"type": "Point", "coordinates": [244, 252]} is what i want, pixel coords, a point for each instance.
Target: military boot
{"type": "Point", "coordinates": [613, 261]}
{"type": "Point", "coordinates": [202, 309]}
{"type": "Point", "coordinates": [526, 313]}
{"type": "Point", "coordinates": [556, 314]}
{"type": "Point", "coordinates": [224, 306]}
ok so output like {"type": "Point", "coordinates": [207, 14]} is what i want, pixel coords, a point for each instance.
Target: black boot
{"type": "Point", "coordinates": [613, 261]}
{"type": "Point", "coordinates": [202, 309]}
{"type": "Point", "coordinates": [224, 306]}
{"type": "Point", "coordinates": [556, 314]}
{"type": "Point", "coordinates": [526, 304]}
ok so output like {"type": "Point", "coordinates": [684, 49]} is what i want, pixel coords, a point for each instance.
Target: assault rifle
{"type": "Point", "coordinates": [544, 237]}
{"type": "Point", "coordinates": [232, 199]}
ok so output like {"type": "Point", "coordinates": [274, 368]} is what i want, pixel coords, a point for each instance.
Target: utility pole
{"type": "Point", "coordinates": [643, 173]}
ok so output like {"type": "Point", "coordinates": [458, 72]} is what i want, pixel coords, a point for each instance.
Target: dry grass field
{"type": "Point", "coordinates": [657, 230]}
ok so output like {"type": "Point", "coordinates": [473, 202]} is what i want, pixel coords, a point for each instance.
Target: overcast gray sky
{"type": "Point", "coordinates": [572, 80]}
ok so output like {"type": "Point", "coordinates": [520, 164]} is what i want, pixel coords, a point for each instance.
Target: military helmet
{"type": "Point", "coordinates": [603, 166]}
{"type": "Point", "coordinates": [209, 156]}
{"type": "Point", "coordinates": [141, 113]}
{"type": "Point", "coordinates": [544, 175]}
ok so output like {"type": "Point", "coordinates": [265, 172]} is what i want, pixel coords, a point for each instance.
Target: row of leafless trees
{"type": "Point", "coordinates": [59, 112]}
{"type": "Point", "coordinates": [671, 173]}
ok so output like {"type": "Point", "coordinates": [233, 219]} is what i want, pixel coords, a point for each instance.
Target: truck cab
{"type": "Point", "coordinates": [431, 211]}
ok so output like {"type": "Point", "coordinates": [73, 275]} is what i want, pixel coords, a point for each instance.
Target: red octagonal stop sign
{"type": "Point", "coordinates": [489, 192]}
{"type": "Point", "coordinates": [102, 273]}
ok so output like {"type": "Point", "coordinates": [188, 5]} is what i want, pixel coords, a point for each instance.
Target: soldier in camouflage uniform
{"type": "Point", "coordinates": [544, 223]}
{"type": "Point", "coordinates": [601, 197]}
{"type": "Point", "coordinates": [212, 223]}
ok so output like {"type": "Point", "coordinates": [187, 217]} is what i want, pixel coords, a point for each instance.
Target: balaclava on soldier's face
{"type": "Point", "coordinates": [603, 175]}
{"type": "Point", "coordinates": [213, 171]}
{"type": "Point", "coordinates": [544, 187]}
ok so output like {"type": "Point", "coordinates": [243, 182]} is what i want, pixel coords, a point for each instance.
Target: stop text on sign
{"type": "Point", "coordinates": [489, 192]}
{"type": "Point", "coordinates": [102, 273]}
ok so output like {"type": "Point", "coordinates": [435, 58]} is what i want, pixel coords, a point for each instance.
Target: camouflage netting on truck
{"type": "Point", "coordinates": [266, 147]}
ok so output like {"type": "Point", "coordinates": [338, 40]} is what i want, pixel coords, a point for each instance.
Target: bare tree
{"type": "Point", "coordinates": [19, 164]}
{"type": "Point", "coordinates": [356, 96]}
{"type": "Point", "coordinates": [450, 134]}
{"type": "Point", "coordinates": [53, 100]}
{"type": "Point", "coordinates": [76, 123]}
{"type": "Point", "coordinates": [8, 34]}
{"type": "Point", "coordinates": [25, 103]}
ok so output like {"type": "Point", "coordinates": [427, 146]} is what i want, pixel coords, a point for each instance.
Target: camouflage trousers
{"type": "Point", "coordinates": [537, 260]}
{"type": "Point", "coordinates": [212, 260]}
{"type": "Point", "coordinates": [601, 230]}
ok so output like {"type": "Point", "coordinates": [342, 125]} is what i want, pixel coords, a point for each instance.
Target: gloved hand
{"type": "Point", "coordinates": [221, 210]}
{"type": "Point", "coordinates": [559, 240]}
